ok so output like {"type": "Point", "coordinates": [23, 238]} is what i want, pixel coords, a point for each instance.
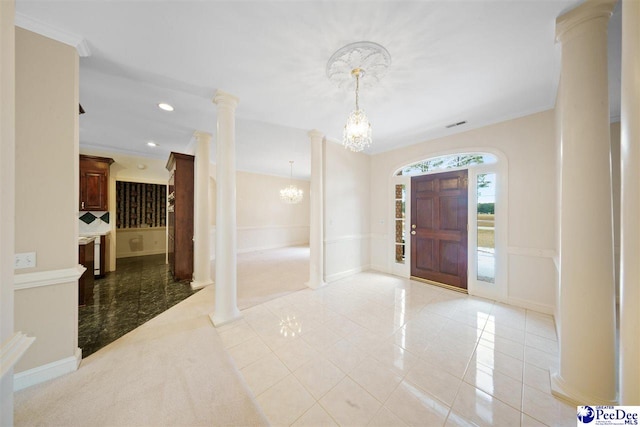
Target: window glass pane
{"type": "Point", "coordinates": [447, 162]}
{"type": "Point", "coordinates": [486, 227]}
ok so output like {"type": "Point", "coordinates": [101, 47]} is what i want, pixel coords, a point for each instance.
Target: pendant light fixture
{"type": "Point", "coordinates": [291, 194]}
{"type": "Point", "coordinates": [350, 65]}
{"type": "Point", "coordinates": [357, 131]}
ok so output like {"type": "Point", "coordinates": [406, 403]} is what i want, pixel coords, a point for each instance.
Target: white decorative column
{"type": "Point", "coordinates": [201, 253]}
{"type": "Point", "coordinates": [586, 305]}
{"type": "Point", "coordinates": [316, 208]}
{"type": "Point", "coordinates": [226, 306]}
{"type": "Point", "coordinates": [630, 207]}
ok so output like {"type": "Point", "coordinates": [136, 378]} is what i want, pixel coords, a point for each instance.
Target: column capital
{"type": "Point", "coordinates": [202, 135]}
{"type": "Point", "coordinates": [224, 99]}
{"type": "Point", "coordinates": [315, 134]}
{"type": "Point", "coordinates": [587, 11]}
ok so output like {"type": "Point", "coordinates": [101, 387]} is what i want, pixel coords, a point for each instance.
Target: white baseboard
{"type": "Point", "coordinates": [541, 308]}
{"type": "Point", "coordinates": [380, 268]}
{"type": "Point", "coordinates": [277, 246]}
{"type": "Point", "coordinates": [47, 372]}
{"type": "Point", "coordinates": [12, 350]}
{"type": "Point", "coordinates": [347, 273]}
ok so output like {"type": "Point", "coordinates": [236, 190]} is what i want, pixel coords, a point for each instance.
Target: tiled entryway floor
{"type": "Point", "coordinates": [375, 349]}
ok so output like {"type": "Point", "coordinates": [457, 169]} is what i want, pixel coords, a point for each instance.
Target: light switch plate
{"type": "Point", "coordinates": [25, 260]}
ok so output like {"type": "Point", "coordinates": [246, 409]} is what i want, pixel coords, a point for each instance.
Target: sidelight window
{"type": "Point", "coordinates": [400, 209]}
{"type": "Point", "coordinates": [485, 227]}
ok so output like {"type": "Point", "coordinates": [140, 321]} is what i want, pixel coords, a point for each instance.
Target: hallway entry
{"type": "Point", "coordinates": [439, 228]}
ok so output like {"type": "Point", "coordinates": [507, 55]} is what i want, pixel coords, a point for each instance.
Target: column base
{"type": "Point", "coordinates": [195, 285]}
{"type": "Point", "coordinates": [316, 285]}
{"type": "Point", "coordinates": [563, 391]}
{"type": "Point", "coordinates": [218, 320]}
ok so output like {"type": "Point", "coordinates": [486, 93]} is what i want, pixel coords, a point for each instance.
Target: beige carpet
{"type": "Point", "coordinates": [268, 274]}
{"type": "Point", "coordinates": [172, 370]}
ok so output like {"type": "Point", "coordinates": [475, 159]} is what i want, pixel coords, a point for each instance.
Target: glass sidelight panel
{"type": "Point", "coordinates": [485, 227]}
{"type": "Point", "coordinates": [400, 206]}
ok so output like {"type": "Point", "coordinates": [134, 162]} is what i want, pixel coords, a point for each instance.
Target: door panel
{"type": "Point", "coordinates": [439, 228]}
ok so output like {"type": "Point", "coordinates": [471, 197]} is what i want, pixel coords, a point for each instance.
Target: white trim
{"type": "Point", "coordinates": [264, 248]}
{"type": "Point", "coordinates": [563, 391]}
{"type": "Point", "coordinates": [540, 308]}
{"type": "Point", "coordinates": [380, 268]}
{"type": "Point", "coordinates": [347, 273]}
{"type": "Point", "coordinates": [267, 227]}
{"type": "Point", "coordinates": [349, 237]}
{"type": "Point", "coordinates": [47, 278]}
{"type": "Point", "coordinates": [47, 372]}
{"type": "Point", "coordinates": [534, 252]}
{"type": "Point", "coordinates": [73, 40]}
{"type": "Point", "coordinates": [12, 350]}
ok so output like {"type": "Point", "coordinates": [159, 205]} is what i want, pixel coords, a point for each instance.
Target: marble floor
{"type": "Point", "coordinates": [139, 289]}
{"type": "Point", "coordinates": [374, 349]}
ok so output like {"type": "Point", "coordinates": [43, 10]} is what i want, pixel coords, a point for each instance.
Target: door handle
{"type": "Point", "coordinates": [413, 232]}
{"type": "Point", "coordinates": [82, 205]}
{"type": "Point", "coordinates": [413, 226]}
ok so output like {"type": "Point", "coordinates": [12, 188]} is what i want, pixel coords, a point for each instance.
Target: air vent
{"type": "Point", "coordinates": [452, 125]}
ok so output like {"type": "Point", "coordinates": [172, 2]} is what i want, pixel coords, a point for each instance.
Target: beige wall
{"type": "Point", "coordinates": [259, 204]}
{"type": "Point", "coordinates": [263, 220]}
{"type": "Point", "coordinates": [7, 177]}
{"type": "Point", "coordinates": [141, 241]}
{"type": "Point", "coordinates": [529, 146]}
{"type": "Point", "coordinates": [346, 222]}
{"type": "Point", "coordinates": [46, 148]}
{"type": "Point", "coordinates": [47, 192]}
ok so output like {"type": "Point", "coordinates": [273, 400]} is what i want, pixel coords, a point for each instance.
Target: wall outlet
{"type": "Point", "coordinates": [25, 260]}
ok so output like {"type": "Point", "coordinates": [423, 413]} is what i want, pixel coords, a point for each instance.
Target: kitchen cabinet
{"type": "Point", "coordinates": [180, 215]}
{"type": "Point", "coordinates": [94, 183]}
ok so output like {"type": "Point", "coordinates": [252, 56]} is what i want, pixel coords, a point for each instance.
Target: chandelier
{"type": "Point", "coordinates": [291, 194]}
{"type": "Point", "coordinates": [357, 131]}
{"type": "Point", "coordinates": [358, 60]}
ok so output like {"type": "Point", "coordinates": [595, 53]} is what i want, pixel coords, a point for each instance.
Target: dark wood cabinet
{"type": "Point", "coordinates": [85, 282]}
{"type": "Point", "coordinates": [180, 215]}
{"type": "Point", "coordinates": [94, 183]}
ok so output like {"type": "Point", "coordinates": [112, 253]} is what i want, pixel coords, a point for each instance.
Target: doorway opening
{"type": "Point", "coordinates": [484, 257]}
{"type": "Point", "coordinates": [141, 287]}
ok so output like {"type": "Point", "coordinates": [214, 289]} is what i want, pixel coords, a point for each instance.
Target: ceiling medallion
{"type": "Point", "coordinates": [358, 63]}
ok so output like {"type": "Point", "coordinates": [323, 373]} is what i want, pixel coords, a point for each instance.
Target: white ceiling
{"type": "Point", "coordinates": [479, 61]}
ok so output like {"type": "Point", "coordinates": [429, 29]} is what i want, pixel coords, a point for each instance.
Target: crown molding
{"type": "Point", "coordinates": [39, 27]}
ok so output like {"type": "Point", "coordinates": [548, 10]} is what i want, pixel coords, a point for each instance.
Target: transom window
{"type": "Point", "coordinates": [450, 161]}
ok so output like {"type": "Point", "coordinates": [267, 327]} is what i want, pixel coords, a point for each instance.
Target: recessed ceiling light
{"type": "Point", "coordinates": [152, 144]}
{"type": "Point", "coordinates": [166, 107]}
